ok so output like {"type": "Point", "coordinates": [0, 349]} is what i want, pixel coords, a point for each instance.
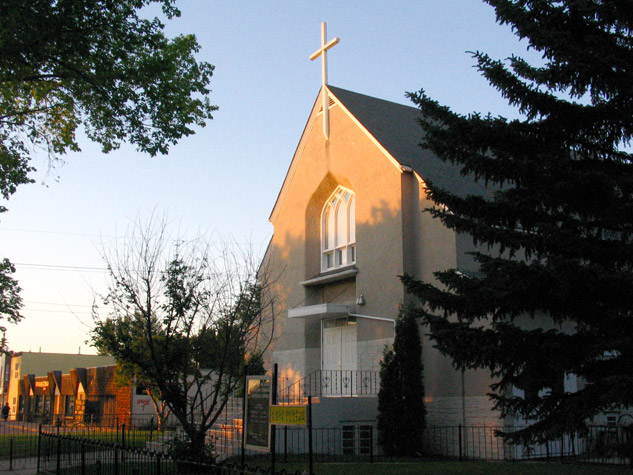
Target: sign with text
{"type": "Point", "coordinates": [289, 415]}
{"type": "Point", "coordinates": [257, 428]}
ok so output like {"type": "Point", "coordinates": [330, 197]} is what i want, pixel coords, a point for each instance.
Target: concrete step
{"type": "Point", "coordinates": [226, 434]}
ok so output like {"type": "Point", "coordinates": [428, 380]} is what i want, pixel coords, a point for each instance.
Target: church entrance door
{"type": "Point", "coordinates": [339, 358]}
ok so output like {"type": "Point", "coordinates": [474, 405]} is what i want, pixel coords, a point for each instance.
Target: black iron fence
{"type": "Point", "coordinates": [347, 443]}
{"type": "Point", "coordinates": [124, 434]}
{"type": "Point", "coordinates": [598, 444]}
{"type": "Point", "coordinates": [62, 454]}
{"type": "Point", "coordinates": [359, 442]}
{"type": "Point", "coordinates": [91, 420]}
{"type": "Point", "coordinates": [20, 441]}
{"type": "Point", "coordinates": [330, 383]}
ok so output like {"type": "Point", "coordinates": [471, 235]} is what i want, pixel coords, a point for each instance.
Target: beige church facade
{"type": "Point", "coordinates": [349, 219]}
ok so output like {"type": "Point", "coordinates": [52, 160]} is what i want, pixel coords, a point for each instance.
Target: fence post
{"type": "Point", "coordinates": [39, 447]}
{"type": "Point", "coordinates": [11, 453]}
{"type": "Point", "coordinates": [83, 458]}
{"type": "Point", "coordinates": [285, 443]}
{"type": "Point", "coordinates": [273, 442]}
{"type": "Point", "coordinates": [562, 448]}
{"type": "Point", "coordinates": [116, 461]}
{"type": "Point", "coordinates": [371, 444]}
{"type": "Point", "coordinates": [59, 455]}
{"type": "Point", "coordinates": [158, 464]}
{"type": "Point", "coordinates": [459, 428]}
{"type": "Point", "coordinates": [244, 394]}
{"type": "Point", "coordinates": [123, 435]}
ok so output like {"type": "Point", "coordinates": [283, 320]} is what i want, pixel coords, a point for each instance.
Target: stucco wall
{"type": "Point", "coordinates": [370, 353]}
{"type": "Point", "coordinates": [349, 159]}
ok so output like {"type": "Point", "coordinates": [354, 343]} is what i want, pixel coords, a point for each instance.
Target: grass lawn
{"type": "Point", "coordinates": [457, 468]}
{"type": "Point", "coordinates": [411, 468]}
{"type": "Point", "coordinates": [21, 446]}
{"type": "Point", "coordinates": [24, 444]}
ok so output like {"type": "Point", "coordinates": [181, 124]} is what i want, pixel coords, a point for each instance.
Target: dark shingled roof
{"type": "Point", "coordinates": [396, 128]}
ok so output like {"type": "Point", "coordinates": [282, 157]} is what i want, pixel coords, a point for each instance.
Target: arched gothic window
{"type": "Point", "coordinates": [338, 230]}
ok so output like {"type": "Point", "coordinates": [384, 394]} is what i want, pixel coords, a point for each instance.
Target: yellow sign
{"type": "Point", "coordinates": [288, 415]}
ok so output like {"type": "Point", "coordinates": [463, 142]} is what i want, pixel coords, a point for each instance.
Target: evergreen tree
{"type": "Point", "coordinates": [556, 237]}
{"type": "Point", "coordinates": [401, 397]}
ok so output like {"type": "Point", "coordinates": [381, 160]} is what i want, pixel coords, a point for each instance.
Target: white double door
{"type": "Point", "coordinates": [339, 359]}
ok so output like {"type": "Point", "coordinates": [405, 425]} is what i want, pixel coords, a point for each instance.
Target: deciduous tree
{"type": "Point", "coordinates": [183, 317]}
{"type": "Point", "coordinates": [10, 300]}
{"type": "Point", "coordinates": [107, 336]}
{"type": "Point", "coordinates": [97, 64]}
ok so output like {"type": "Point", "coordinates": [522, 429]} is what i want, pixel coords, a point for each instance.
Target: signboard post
{"type": "Point", "coordinates": [256, 423]}
{"type": "Point", "coordinates": [311, 464]}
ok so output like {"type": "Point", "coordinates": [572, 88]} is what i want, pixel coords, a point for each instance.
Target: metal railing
{"type": "Point", "coordinates": [331, 383]}
{"type": "Point", "coordinates": [60, 454]}
{"type": "Point", "coordinates": [359, 442]}
{"type": "Point", "coordinates": [598, 444]}
{"type": "Point", "coordinates": [20, 440]}
{"type": "Point", "coordinates": [89, 420]}
{"type": "Point", "coordinates": [347, 443]}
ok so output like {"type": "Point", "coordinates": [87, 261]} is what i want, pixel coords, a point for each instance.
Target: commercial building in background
{"type": "Point", "coordinates": [31, 365]}
{"type": "Point", "coordinates": [5, 373]}
{"type": "Point", "coordinates": [83, 396]}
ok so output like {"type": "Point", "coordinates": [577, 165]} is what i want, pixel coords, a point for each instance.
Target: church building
{"type": "Point", "coordinates": [348, 221]}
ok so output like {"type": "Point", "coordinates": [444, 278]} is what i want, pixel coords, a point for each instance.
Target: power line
{"type": "Point", "coordinates": [58, 304]}
{"type": "Point", "coordinates": [60, 267]}
{"type": "Point", "coordinates": [126, 237]}
{"type": "Point", "coordinates": [68, 312]}
{"type": "Point", "coordinates": [64, 233]}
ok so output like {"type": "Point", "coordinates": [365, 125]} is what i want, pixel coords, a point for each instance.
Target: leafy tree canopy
{"type": "Point", "coordinates": [10, 300]}
{"type": "Point", "coordinates": [99, 64]}
{"type": "Point", "coordinates": [553, 294]}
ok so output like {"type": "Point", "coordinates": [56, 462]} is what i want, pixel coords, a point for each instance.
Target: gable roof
{"type": "Point", "coordinates": [396, 128]}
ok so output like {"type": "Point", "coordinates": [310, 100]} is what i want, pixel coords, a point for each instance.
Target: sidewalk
{"type": "Point", "coordinates": [20, 466]}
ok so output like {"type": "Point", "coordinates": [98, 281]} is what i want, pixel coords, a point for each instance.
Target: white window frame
{"type": "Point", "coordinates": [338, 246]}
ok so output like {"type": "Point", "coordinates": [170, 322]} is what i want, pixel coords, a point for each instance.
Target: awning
{"type": "Point", "coordinates": [323, 310]}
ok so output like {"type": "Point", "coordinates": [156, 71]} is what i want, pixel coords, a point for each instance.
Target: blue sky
{"type": "Point", "coordinates": [225, 179]}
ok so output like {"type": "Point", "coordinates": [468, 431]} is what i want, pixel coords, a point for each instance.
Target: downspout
{"type": "Point", "coordinates": [382, 319]}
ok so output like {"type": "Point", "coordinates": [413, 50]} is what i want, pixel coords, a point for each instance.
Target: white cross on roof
{"type": "Point", "coordinates": [322, 51]}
